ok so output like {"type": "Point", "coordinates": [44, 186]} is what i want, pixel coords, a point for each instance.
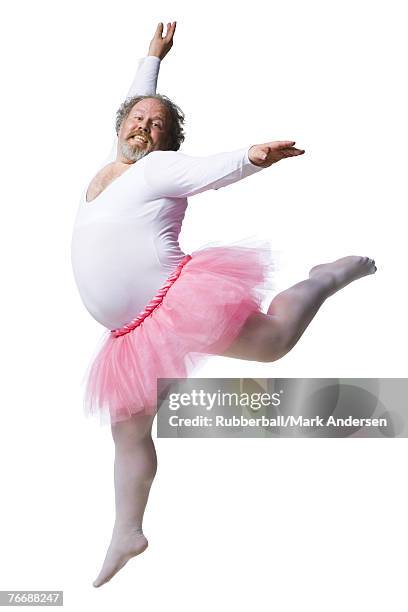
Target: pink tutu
{"type": "Point", "coordinates": [197, 313]}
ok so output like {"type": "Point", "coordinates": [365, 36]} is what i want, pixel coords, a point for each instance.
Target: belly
{"type": "Point", "coordinates": [117, 271]}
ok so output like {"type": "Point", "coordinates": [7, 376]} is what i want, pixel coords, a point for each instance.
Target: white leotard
{"type": "Point", "coordinates": [125, 241]}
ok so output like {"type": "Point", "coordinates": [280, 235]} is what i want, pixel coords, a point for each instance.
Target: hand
{"type": "Point", "coordinates": [264, 155]}
{"type": "Point", "coordinates": [160, 46]}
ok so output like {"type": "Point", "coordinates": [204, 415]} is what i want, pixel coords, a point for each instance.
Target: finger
{"type": "Point", "coordinates": [281, 144]}
{"type": "Point", "coordinates": [170, 31]}
{"type": "Point", "coordinates": [159, 30]}
{"type": "Point", "coordinates": [291, 152]}
{"type": "Point", "coordinates": [263, 154]}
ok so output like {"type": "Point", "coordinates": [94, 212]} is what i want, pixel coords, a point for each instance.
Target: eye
{"type": "Point", "coordinates": [158, 125]}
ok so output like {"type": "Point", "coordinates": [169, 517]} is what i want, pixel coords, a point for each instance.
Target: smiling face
{"type": "Point", "coordinates": [144, 130]}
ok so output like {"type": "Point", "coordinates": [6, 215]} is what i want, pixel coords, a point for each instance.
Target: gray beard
{"type": "Point", "coordinates": [132, 153]}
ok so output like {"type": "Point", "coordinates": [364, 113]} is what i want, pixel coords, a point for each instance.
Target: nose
{"type": "Point", "coordinates": [143, 125]}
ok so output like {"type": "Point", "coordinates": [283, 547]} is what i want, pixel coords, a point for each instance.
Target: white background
{"type": "Point", "coordinates": [233, 524]}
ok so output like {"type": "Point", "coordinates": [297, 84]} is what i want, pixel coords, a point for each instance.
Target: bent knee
{"type": "Point", "coordinates": [270, 355]}
{"type": "Point", "coordinates": [275, 347]}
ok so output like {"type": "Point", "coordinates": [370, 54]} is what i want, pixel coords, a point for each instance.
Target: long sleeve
{"type": "Point", "coordinates": [175, 175]}
{"type": "Point", "coordinates": [145, 81]}
{"type": "Point", "coordinates": [143, 84]}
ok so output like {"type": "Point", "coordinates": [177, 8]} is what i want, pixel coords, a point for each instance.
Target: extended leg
{"type": "Point", "coordinates": [135, 468]}
{"type": "Point", "coordinates": [268, 337]}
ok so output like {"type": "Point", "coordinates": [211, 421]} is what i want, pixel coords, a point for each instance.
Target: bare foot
{"type": "Point", "coordinates": [125, 544]}
{"type": "Point", "coordinates": [341, 272]}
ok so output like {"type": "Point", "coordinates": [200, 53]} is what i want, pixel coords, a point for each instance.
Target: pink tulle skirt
{"type": "Point", "coordinates": [197, 313]}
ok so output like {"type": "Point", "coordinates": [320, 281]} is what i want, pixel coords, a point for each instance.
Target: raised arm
{"type": "Point", "coordinates": [145, 80]}
{"type": "Point", "coordinates": [175, 175]}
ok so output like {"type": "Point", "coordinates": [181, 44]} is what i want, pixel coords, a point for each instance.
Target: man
{"type": "Point", "coordinates": [125, 245]}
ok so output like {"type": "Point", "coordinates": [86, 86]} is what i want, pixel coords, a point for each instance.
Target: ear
{"type": "Point", "coordinates": [167, 142]}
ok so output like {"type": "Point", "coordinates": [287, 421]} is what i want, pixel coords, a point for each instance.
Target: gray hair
{"type": "Point", "coordinates": [177, 118]}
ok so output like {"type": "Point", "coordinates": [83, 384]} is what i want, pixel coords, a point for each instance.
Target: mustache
{"type": "Point", "coordinates": [141, 133]}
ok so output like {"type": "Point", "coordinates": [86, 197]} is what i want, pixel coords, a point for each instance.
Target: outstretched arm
{"type": "Point", "coordinates": [175, 175]}
{"type": "Point", "coordinates": [145, 80]}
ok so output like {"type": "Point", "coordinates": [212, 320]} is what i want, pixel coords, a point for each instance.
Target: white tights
{"type": "Point", "coordinates": [263, 338]}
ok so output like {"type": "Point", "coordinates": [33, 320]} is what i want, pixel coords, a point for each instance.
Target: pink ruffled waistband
{"type": "Point", "coordinates": [154, 302]}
